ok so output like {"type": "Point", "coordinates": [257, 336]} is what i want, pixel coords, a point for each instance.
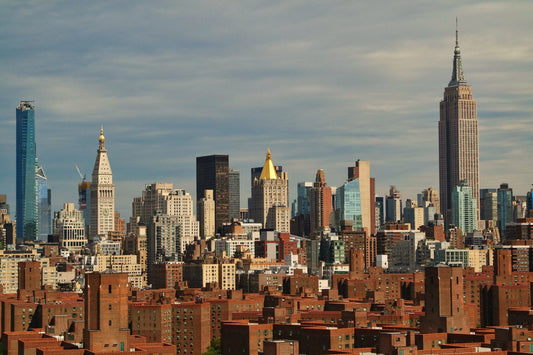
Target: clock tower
{"type": "Point", "coordinates": [102, 194]}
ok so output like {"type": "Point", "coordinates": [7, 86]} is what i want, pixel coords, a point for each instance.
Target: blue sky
{"type": "Point", "coordinates": [322, 83]}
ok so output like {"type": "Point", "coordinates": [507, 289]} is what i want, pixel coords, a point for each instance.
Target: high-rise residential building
{"type": "Point", "coordinates": [320, 203]}
{"type": "Point", "coordinates": [393, 205]}
{"type": "Point", "coordinates": [212, 173]}
{"type": "Point", "coordinates": [69, 225]}
{"type": "Point", "coordinates": [413, 214]}
{"type": "Point", "coordinates": [488, 198]}
{"type": "Point", "coordinates": [168, 215]}
{"type": "Point", "coordinates": [430, 197]}
{"type": "Point", "coordinates": [206, 214]}
{"type": "Point", "coordinates": [234, 185]}
{"type": "Point", "coordinates": [270, 198]}
{"type": "Point", "coordinates": [367, 190]}
{"type": "Point", "coordinates": [102, 194]}
{"type": "Point", "coordinates": [44, 205]}
{"type": "Point", "coordinates": [464, 207]}
{"type": "Point", "coordinates": [458, 137]}
{"type": "Point", "coordinates": [380, 211]}
{"type": "Point", "coordinates": [27, 219]}
{"type": "Point", "coordinates": [505, 206]}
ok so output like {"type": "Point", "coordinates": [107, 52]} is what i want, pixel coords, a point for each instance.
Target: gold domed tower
{"type": "Point", "coordinates": [270, 198]}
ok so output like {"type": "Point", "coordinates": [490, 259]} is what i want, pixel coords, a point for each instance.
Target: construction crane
{"type": "Point", "coordinates": [83, 177]}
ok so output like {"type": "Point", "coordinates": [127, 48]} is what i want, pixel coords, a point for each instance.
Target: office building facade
{"type": "Point", "coordinates": [234, 185]}
{"type": "Point", "coordinates": [212, 173]}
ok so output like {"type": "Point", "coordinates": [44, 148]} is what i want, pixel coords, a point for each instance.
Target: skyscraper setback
{"type": "Point", "coordinates": [458, 137]}
{"type": "Point", "coordinates": [27, 221]}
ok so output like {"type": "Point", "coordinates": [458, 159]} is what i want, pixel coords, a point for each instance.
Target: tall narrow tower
{"type": "Point", "coordinates": [320, 202]}
{"type": "Point", "coordinates": [458, 137]}
{"type": "Point", "coordinates": [27, 221]}
{"type": "Point", "coordinates": [102, 194]}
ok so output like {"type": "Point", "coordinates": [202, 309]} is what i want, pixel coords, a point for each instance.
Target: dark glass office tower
{"type": "Point", "coordinates": [212, 173]}
{"type": "Point", "coordinates": [26, 173]}
{"type": "Point", "coordinates": [234, 193]}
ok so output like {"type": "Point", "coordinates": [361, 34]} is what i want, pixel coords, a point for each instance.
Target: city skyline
{"type": "Point", "coordinates": [321, 85]}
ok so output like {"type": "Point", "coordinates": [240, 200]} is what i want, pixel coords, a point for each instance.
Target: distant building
{"type": "Point", "coordinates": [270, 198]}
{"type": "Point", "coordinates": [27, 218]}
{"type": "Point", "coordinates": [431, 197]}
{"type": "Point", "coordinates": [102, 194]}
{"type": "Point", "coordinates": [393, 205]}
{"type": "Point", "coordinates": [206, 214]}
{"type": "Point", "coordinates": [69, 225]}
{"type": "Point", "coordinates": [464, 209]}
{"type": "Point", "coordinates": [413, 214]}
{"type": "Point", "coordinates": [321, 206]}
{"type": "Point", "coordinates": [488, 209]}
{"type": "Point", "coordinates": [212, 173]}
{"type": "Point", "coordinates": [458, 138]}
{"type": "Point", "coordinates": [44, 205]}
{"type": "Point", "coordinates": [505, 206]}
{"type": "Point", "coordinates": [234, 183]}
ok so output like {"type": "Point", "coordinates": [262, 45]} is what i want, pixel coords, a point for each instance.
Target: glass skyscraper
{"type": "Point", "coordinates": [505, 206]}
{"type": "Point", "coordinates": [44, 205]}
{"type": "Point", "coordinates": [27, 222]}
{"type": "Point", "coordinates": [348, 204]}
{"type": "Point", "coordinates": [464, 211]}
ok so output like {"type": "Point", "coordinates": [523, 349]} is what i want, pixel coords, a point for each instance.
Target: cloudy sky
{"type": "Point", "coordinates": [322, 83]}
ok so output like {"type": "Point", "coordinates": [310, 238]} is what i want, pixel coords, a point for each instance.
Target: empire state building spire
{"type": "Point", "coordinates": [457, 74]}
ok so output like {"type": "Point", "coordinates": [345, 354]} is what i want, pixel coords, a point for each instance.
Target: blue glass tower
{"type": "Point", "coordinates": [26, 173]}
{"type": "Point", "coordinates": [348, 204]}
{"type": "Point", "coordinates": [505, 206]}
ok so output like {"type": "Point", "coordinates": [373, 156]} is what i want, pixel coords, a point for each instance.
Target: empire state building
{"type": "Point", "coordinates": [458, 137]}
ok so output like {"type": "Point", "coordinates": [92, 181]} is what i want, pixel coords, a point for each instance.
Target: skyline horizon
{"type": "Point", "coordinates": [321, 85]}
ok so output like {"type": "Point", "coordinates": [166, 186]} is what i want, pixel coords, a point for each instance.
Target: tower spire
{"type": "Point", "coordinates": [457, 73]}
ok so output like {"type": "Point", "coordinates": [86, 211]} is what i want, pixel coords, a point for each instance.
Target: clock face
{"type": "Point", "coordinates": [106, 211]}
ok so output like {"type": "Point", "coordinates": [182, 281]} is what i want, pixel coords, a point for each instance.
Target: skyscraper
{"type": "Point", "coordinates": [458, 137]}
{"type": "Point", "coordinates": [464, 208]}
{"type": "Point", "coordinates": [206, 214]}
{"type": "Point", "coordinates": [102, 193]}
{"type": "Point", "coordinates": [270, 198]}
{"type": "Point", "coordinates": [321, 207]}
{"type": "Point", "coordinates": [234, 177]}
{"type": "Point", "coordinates": [26, 172]}
{"type": "Point", "coordinates": [44, 205]}
{"type": "Point", "coordinates": [505, 206]}
{"type": "Point", "coordinates": [212, 173]}
{"type": "Point", "coordinates": [367, 190]}
{"type": "Point", "coordinates": [393, 205]}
